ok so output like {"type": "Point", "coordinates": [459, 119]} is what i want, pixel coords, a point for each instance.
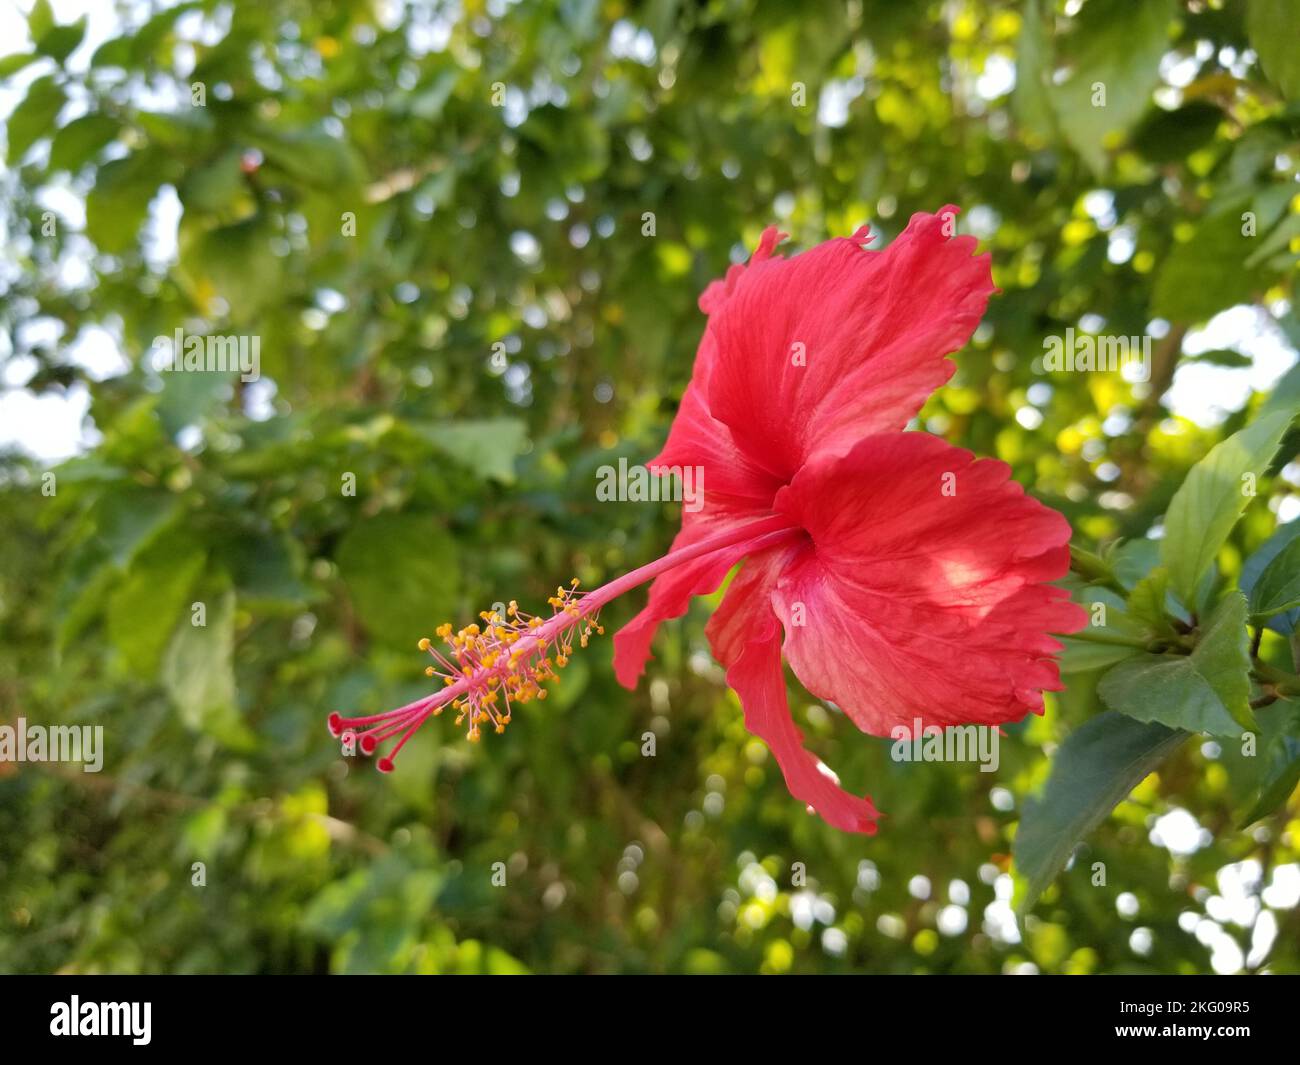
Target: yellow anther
{"type": "Point", "coordinates": [424, 643]}
{"type": "Point", "coordinates": [429, 671]}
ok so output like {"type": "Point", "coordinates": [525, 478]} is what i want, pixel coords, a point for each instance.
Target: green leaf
{"type": "Point", "coordinates": [1116, 45]}
{"type": "Point", "coordinates": [41, 19]}
{"type": "Point", "coordinates": [216, 187]}
{"type": "Point", "coordinates": [130, 518]}
{"type": "Point", "coordinates": [1271, 26]}
{"type": "Point", "coordinates": [1206, 691]}
{"type": "Point", "coordinates": [403, 573]}
{"type": "Point", "coordinates": [78, 141]}
{"type": "Point", "coordinates": [87, 579]}
{"type": "Point", "coordinates": [1280, 754]}
{"type": "Point", "coordinates": [235, 262]}
{"type": "Point", "coordinates": [266, 571]}
{"type": "Point", "coordinates": [1148, 602]}
{"type": "Point", "coordinates": [143, 609]}
{"type": "Point", "coordinates": [118, 204]}
{"type": "Point", "coordinates": [1278, 587]}
{"type": "Point", "coordinates": [1222, 357]}
{"type": "Point", "coordinates": [12, 64]}
{"type": "Point", "coordinates": [1030, 100]}
{"type": "Point", "coordinates": [1251, 570]}
{"type": "Point", "coordinates": [34, 117]}
{"type": "Point", "coordinates": [1274, 249]}
{"type": "Point", "coordinates": [1171, 136]}
{"type": "Point", "coordinates": [199, 674]}
{"type": "Point", "coordinates": [1088, 650]}
{"type": "Point", "coordinates": [1285, 395]}
{"type": "Point", "coordinates": [1094, 769]}
{"type": "Point", "coordinates": [427, 104]}
{"type": "Point", "coordinates": [1283, 776]}
{"type": "Point", "coordinates": [1083, 656]}
{"type": "Point", "coordinates": [145, 44]}
{"type": "Point", "coordinates": [59, 42]}
{"type": "Point", "coordinates": [311, 156]}
{"type": "Point", "coordinates": [488, 447]}
{"type": "Point", "coordinates": [1206, 273]}
{"type": "Point", "coordinates": [1209, 502]}
{"type": "Point", "coordinates": [374, 914]}
{"type": "Point", "coordinates": [1133, 559]}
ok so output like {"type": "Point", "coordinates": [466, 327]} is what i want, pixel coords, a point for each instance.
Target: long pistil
{"type": "Point", "coordinates": [487, 669]}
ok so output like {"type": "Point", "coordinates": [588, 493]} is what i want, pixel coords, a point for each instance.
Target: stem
{"type": "Point", "coordinates": [1093, 568]}
{"type": "Point", "coordinates": [762, 533]}
{"type": "Point", "coordinates": [1110, 638]}
{"type": "Point", "coordinates": [1280, 680]}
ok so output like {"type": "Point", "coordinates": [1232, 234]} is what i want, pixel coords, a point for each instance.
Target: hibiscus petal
{"type": "Point", "coordinates": [671, 594]}
{"type": "Point", "coordinates": [732, 485]}
{"type": "Point", "coordinates": [924, 594]}
{"type": "Point", "coordinates": [745, 637]}
{"type": "Point", "coordinates": [807, 355]}
{"type": "Point", "coordinates": [734, 492]}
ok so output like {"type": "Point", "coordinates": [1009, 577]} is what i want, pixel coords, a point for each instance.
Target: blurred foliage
{"type": "Point", "coordinates": [436, 219]}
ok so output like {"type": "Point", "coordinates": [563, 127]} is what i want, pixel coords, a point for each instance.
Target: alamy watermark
{"type": "Point", "coordinates": [53, 743]}
{"type": "Point", "coordinates": [1084, 352]}
{"type": "Point", "coordinates": [652, 484]}
{"type": "Point", "coordinates": [191, 353]}
{"type": "Point", "coordinates": [77, 1018]}
{"type": "Point", "coordinates": [957, 743]}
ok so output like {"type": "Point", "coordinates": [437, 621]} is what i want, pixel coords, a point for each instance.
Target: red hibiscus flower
{"type": "Point", "coordinates": [910, 580]}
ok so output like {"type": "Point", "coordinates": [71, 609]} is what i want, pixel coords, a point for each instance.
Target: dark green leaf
{"type": "Point", "coordinates": [1206, 691]}
{"type": "Point", "coordinates": [1272, 28]}
{"type": "Point", "coordinates": [1208, 272]}
{"type": "Point", "coordinates": [1114, 50]}
{"type": "Point", "coordinates": [1278, 587]}
{"type": "Point", "coordinates": [144, 607]}
{"type": "Point", "coordinates": [403, 573]}
{"type": "Point", "coordinates": [199, 674]}
{"type": "Point", "coordinates": [488, 447]}
{"type": "Point", "coordinates": [1094, 769]}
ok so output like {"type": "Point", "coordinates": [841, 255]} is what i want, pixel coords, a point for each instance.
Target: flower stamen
{"type": "Point", "coordinates": [506, 659]}
{"type": "Point", "coordinates": [487, 669]}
